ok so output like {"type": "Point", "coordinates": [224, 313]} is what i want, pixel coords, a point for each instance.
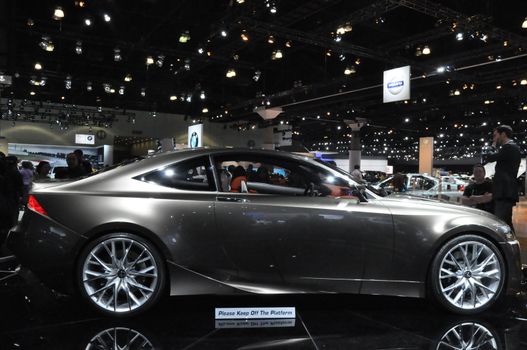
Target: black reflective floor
{"type": "Point", "coordinates": [33, 317]}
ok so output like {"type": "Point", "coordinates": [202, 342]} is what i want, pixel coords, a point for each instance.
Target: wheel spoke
{"type": "Point", "coordinates": [449, 274]}
{"type": "Point", "coordinates": [138, 285]}
{"type": "Point", "coordinates": [101, 263]}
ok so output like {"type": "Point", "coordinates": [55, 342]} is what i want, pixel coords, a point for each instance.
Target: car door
{"type": "Point", "coordinates": [283, 235]}
{"type": "Point", "coordinates": [349, 238]}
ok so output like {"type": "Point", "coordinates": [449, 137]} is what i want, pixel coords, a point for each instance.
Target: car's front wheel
{"type": "Point", "coordinates": [468, 274]}
{"type": "Point", "coordinates": [121, 274]}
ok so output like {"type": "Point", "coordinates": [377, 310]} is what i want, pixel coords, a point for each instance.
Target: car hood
{"type": "Point", "coordinates": [419, 203]}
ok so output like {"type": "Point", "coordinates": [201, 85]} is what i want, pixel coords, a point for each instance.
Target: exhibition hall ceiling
{"type": "Point", "coordinates": [321, 61]}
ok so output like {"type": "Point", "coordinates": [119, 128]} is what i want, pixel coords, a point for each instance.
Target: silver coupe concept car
{"type": "Point", "coordinates": [226, 221]}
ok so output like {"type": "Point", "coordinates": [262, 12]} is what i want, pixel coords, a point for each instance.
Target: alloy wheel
{"type": "Point", "coordinates": [120, 274]}
{"type": "Point", "coordinates": [470, 275]}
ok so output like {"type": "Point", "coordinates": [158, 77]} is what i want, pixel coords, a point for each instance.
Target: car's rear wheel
{"type": "Point", "coordinates": [121, 274]}
{"type": "Point", "coordinates": [468, 274]}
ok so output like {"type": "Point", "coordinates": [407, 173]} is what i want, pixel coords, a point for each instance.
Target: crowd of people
{"type": "Point", "coordinates": [16, 183]}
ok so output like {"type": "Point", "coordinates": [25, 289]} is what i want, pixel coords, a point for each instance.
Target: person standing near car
{"type": "Point", "coordinates": [478, 194]}
{"type": "Point", "coordinates": [504, 187]}
{"type": "Point", "coordinates": [27, 179]}
{"type": "Point", "coordinates": [356, 174]}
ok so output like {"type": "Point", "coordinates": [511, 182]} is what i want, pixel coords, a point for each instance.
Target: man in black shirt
{"type": "Point", "coordinates": [505, 187]}
{"type": "Point", "coordinates": [479, 193]}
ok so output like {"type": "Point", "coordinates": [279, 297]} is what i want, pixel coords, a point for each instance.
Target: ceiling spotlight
{"type": "Point", "coordinates": [523, 82]}
{"type": "Point", "coordinates": [32, 93]}
{"type": "Point", "coordinates": [524, 24]}
{"type": "Point", "coordinates": [67, 82]}
{"type": "Point", "coordinates": [426, 50]}
{"type": "Point", "coordinates": [202, 95]}
{"type": "Point", "coordinates": [484, 37]}
{"type": "Point", "coordinates": [346, 28]}
{"type": "Point", "coordinates": [350, 70]}
{"type": "Point", "coordinates": [128, 78]}
{"type": "Point", "coordinates": [277, 54]}
{"type": "Point", "coordinates": [205, 110]}
{"type": "Point", "coordinates": [78, 48]}
{"type": "Point", "coordinates": [459, 36]}
{"type": "Point", "coordinates": [338, 38]}
{"type": "Point", "coordinates": [223, 33]}
{"type": "Point", "coordinates": [58, 14]}
{"type": "Point", "coordinates": [189, 98]}
{"type": "Point", "coordinates": [244, 36]}
{"type": "Point", "coordinates": [38, 66]}
{"type": "Point", "coordinates": [117, 54]}
{"type": "Point", "coordinates": [201, 51]}
{"type": "Point", "coordinates": [160, 60]}
{"type": "Point", "coordinates": [441, 69]}
{"type": "Point", "coordinates": [121, 90]}
{"type": "Point", "coordinates": [143, 92]}
{"type": "Point", "coordinates": [231, 73]}
{"type": "Point", "coordinates": [257, 75]}
{"type": "Point", "coordinates": [87, 22]}
{"type": "Point", "coordinates": [273, 9]}
{"type": "Point", "coordinates": [80, 3]}
{"type": "Point", "coordinates": [89, 86]}
{"type": "Point", "coordinates": [46, 44]}
{"type": "Point", "coordinates": [418, 51]}
{"type": "Point", "coordinates": [107, 17]}
{"type": "Point", "coordinates": [30, 22]}
{"type": "Point", "coordinates": [288, 43]}
{"type": "Point", "coordinates": [328, 53]}
{"type": "Point", "coordinates": [107, 88]}
{"type": "Point", "coordinates": [149, 60]}
{"type": "Point", "coordinates": [187, 64]}
{"type": "Point", "coordinates": [184, 37]}
{"type": "Point", "coordinates": [498, 87]}
{"type": "Point", "coordinates": [270, 39]}
{"type": "Point", "coordinates": [457, 92]}
{"type": "Point", "coordinates": [342, 57]}
{"type": "Point", "coordinates": [240, 1]}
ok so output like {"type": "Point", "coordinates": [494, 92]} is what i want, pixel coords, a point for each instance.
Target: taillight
{"type": "Point", "coordinates": [34, 205]}
{"type": "Point", "coordinates": [461, 188]}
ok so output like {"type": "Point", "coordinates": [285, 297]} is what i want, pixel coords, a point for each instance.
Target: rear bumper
{"type": "Point", "coordinates": [46, 248]}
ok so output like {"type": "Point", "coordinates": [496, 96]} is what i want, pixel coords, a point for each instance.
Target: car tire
{"type": "Point", "coordinates": [467, 275]}
{"type": "Point", "coordinates": [121, 274]}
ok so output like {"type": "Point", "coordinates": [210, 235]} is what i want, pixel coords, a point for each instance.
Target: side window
{"type": "Point", "coordinates": [262, 175]}
{"type": "Point", "coordinates": [186, 175]}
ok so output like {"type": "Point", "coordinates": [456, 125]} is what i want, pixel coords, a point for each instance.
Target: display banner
{"type": "Point", "coordinates": [281, 323]}
{"type": "Point", "coordinates": [85, 139]}
{"type": "Point", "coordinates": [237, 313]}
{"type": "Point", "coordinates": [195, 136]}
{"type": "Point", "coordinates": [6, 80]}
{"type": "Point", "coordinates": [396, 84]}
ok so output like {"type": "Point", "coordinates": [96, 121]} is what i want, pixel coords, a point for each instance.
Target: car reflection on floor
{"type": "Point", "coordinates": [34, 317]}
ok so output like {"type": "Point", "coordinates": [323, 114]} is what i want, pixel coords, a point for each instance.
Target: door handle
{"type": "Point", "coordinates": [232, 199]}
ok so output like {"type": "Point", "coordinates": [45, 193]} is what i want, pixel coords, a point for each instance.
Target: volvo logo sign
{"type": "Point", "coordinates": [396, 85]}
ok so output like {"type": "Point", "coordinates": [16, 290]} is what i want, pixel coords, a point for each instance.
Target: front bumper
{"type": "Point", "coordinates": [46, 248]}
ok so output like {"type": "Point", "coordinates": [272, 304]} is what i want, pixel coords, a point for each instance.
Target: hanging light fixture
{"type": "Point", "coordinates": [426, 50]}
{"type": "Point", "coordinates": [231, 73]}
{"type": "Point", "coordinates": [149, 60]}
{"type": "Point", "coordinates": [350, 70]}
{"type": "Point", "coordinates": [223, 33]}
{"type": "Point", "coordinates": [202, 95]}
{"type": "Point", "coordinates": [244, 36]}
{"type": "Point", "coordinates": [143, 92]}
{"type": "Point", "coordinates": [277, 54]}
{"type": "Point", "coordinates": [160, 60]}
{"type": "Point", "coordinates": [38, 66]}
{"type": "Point", "coordinates": [173, 98]}
{"type": "Point", "coordinates": [87, 22]}
{"type": "Point", "coordinates": [524, 23]}
{"type": "Point", "coordinates": [46, 44]}
{"type": "Point", "coordinates": [107, 17]}
{"type": "Point", "coordinates": [67, 82]}
{"type": "Point", "coordinates": [184, 37]}
{"type": "Point", "coordinates": [270, 39]}
{"type": "Point", "coordinates": [58, 13]}
{"type": "Point", "coordinates": [78, 47]}
{"type": "Point", "coordinates": [257, 75]}
{"type": "Point", "coordinates": [89, 86]}
{"type": "Point", "coordinates": [117, 54]}
{"type": "Point", "coordinates": [288, 43]}
{"type": "Point", "coordinates": [128, 78]}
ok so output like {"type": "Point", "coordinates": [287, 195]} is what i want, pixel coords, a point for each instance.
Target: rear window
{"type": "Point", "coordinates": [193, 175]}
